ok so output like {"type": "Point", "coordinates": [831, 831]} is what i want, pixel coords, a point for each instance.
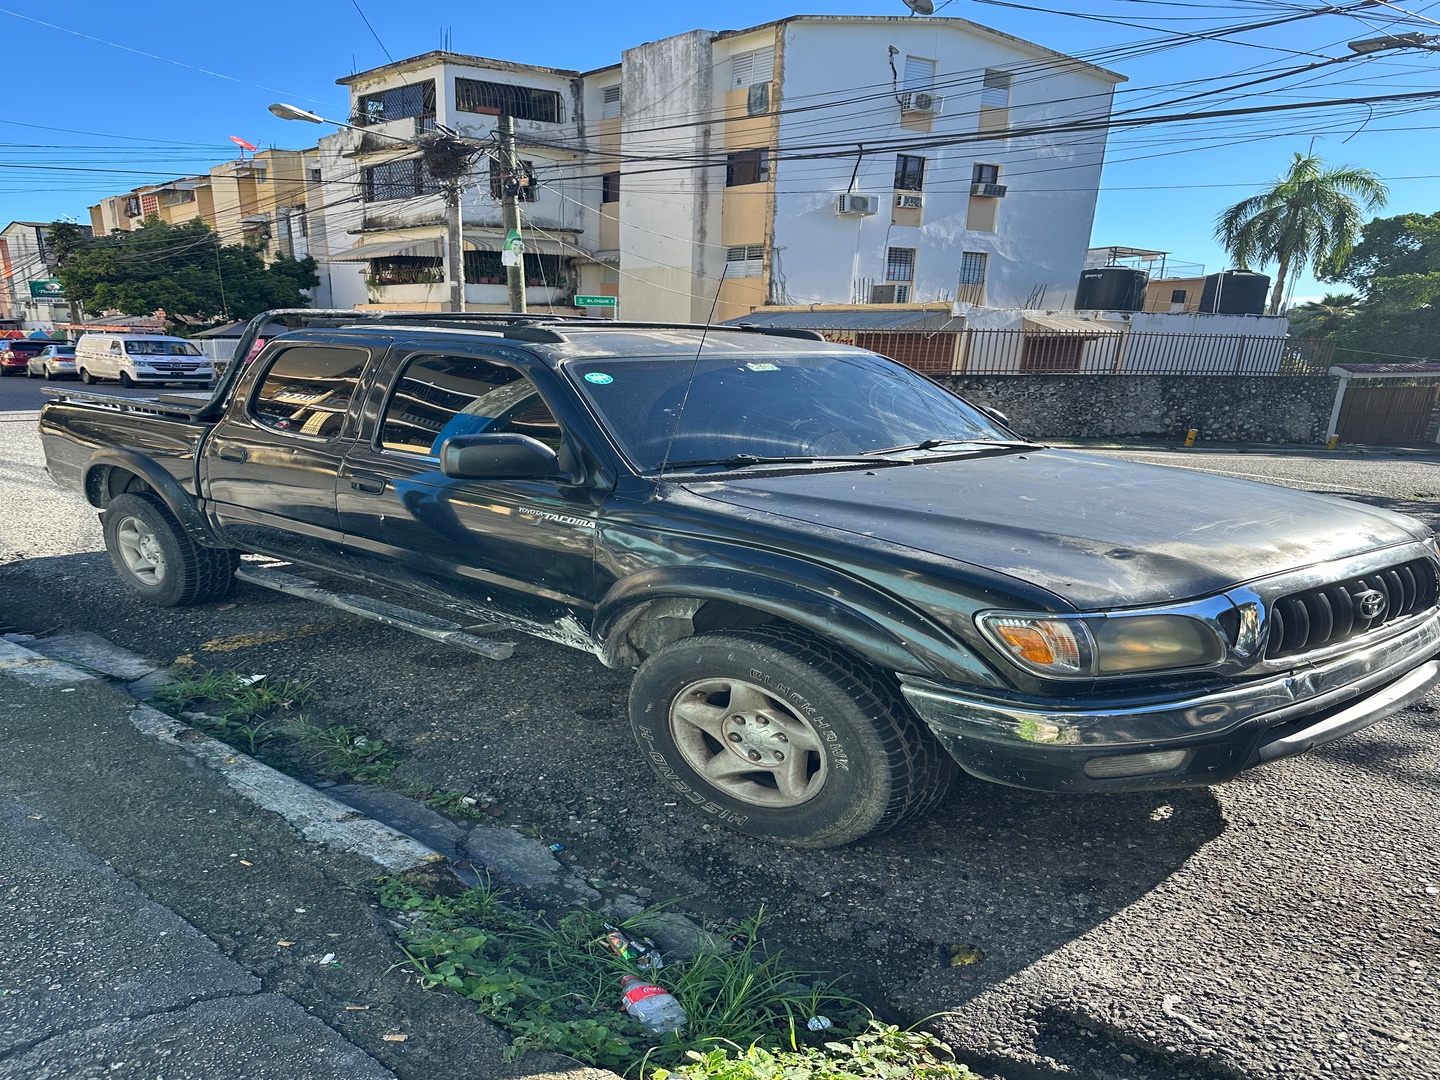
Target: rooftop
{"type": "Point", "coordinates": [444, 56]}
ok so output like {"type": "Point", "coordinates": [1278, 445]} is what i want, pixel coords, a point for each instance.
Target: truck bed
{"type": "Point", "coordinates": [77, 425]}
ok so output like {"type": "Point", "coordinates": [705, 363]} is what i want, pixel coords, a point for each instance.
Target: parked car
{"type": "Point", "coordinates": [52, 362]}
{"type": "Point", "coordinates": [15, 358]}
{"type": "Point", "coordinates": [140, 358]}
{"type": "Point", "coordinates": [835, 580]}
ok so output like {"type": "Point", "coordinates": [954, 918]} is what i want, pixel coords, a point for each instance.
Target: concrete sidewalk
{"type": "Point", "coordinates": [157, 923]}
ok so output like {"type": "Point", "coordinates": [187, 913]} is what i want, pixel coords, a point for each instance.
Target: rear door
{"type": "Point", "coordinates": [523, 549]}
{"type": "Point", "coordinates": [269, 466]}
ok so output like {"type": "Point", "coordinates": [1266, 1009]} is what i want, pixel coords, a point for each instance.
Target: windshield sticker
{"type": "Point", "coordinates": [599, 378]}
{"type": "Point", "coordinates": [762, 367]}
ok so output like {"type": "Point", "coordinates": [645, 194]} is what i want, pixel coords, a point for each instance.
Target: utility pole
{"type": "Point", "coordinates": [454, 246]}
{"type": "Point", "coordinates": [510, 179]}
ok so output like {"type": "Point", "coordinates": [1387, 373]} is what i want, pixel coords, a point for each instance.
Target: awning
{"type": "Point", "coordinates": [1047, 325]}
{"type": "Point", "coordinates": [533, 244]}
{"type": "Point", "coordinates": [429, 249]}
{"type": "Point", "coordinates": [432, 248]}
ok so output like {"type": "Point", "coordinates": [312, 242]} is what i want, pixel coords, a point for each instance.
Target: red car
{"type": "Point", "coordinates": [16, 357]}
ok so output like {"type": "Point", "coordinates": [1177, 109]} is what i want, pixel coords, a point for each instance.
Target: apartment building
{"type": "Point", "coordinates": [391, 232]}
{"type": "Point", "coordinates": [261, 200]}
{"type": "Point", "coordinates": [816, 159]}
{"type": "Point", "coordinates": [856, 160]}
{"type": "Point", "coordinates": [29, 291]}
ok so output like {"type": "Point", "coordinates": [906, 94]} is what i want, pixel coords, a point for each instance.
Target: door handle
{"type": "Point", "coordinates": [369, 485]}
{"type": "Point", "coordinates": [232, 453]}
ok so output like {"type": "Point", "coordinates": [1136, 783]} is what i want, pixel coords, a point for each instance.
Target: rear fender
{"type": "Point", "coordinates": [99, 486]}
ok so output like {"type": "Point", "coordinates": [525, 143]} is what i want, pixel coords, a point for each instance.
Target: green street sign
{"type": "Point", "coordinates": [47, 290]}
{"type": "Point", "coordinates": [595, 301]}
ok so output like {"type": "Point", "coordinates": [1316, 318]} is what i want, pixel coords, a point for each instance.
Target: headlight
{"type": "Point", "coordinates": [1071, 647]}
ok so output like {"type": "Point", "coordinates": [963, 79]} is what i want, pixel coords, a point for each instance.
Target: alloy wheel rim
{"type": "Point", "coordinates": [748, 744]}
{"type": "Point", "coordinates": [140, 551]}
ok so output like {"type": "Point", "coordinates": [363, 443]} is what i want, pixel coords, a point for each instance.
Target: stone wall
{"type": "Point", "coordinates": [1225, 408]}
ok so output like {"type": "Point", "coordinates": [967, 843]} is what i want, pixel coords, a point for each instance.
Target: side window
{"type": "Point", "coordinates": [115, 346]}
{"type": "Point", "coordinates": [437, 397]}
{"type": "Point", "coordinates": [307, 390]}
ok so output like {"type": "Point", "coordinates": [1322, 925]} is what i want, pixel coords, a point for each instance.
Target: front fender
{"type": "Point", "coordinates": [179, 501]}
{"type": "Point", "coordinates": [865, 620]}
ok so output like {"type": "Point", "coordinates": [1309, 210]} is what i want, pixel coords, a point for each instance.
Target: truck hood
{"type": "Point", "coordinates": [1097, 532]}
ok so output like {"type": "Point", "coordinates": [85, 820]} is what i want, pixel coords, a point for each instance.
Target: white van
{"type": "Point", "coordinates": [140, 358]}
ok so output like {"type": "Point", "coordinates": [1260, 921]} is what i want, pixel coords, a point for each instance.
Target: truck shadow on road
{"type": "Point", "coordinates": [922, 919]}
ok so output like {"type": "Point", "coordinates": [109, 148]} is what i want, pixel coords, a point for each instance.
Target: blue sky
{"type": "Point", "coordinates": [134, 118]}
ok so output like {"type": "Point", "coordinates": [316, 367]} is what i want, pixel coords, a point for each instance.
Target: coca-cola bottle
{"type": "Point", "coordinates": [654, 1007]}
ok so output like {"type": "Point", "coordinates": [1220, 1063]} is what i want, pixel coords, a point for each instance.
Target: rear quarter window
{"type": "Point", "coordinates": [307, 389]}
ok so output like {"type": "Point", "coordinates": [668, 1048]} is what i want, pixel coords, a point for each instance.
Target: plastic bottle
{"type": "Point", "coordinates": [653, 1006]}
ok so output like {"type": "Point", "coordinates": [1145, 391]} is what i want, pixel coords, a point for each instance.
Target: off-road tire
{"type": "Point", "coordinates": [192, 574]}
{"type": "Point", "coordinates": [883, 767]}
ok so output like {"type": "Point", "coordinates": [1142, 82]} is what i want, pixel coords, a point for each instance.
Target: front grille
{"type": "Point", "coordinates": [1332, 613]}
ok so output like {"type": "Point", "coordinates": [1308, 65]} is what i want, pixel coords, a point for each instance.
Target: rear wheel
{"type": "Point", "coordinates": [87, 378]}
{"type": "Point", "coordinates": [781, 736]}
{"type": "Point", "coordinates": [46, 375]}
{"type": "Point", "coordinates": [152, 554]}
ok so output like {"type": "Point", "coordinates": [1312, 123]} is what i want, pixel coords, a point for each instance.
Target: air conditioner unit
{"type": "Point", "coordinates": [889, 294]}
{"type": "Point", "coordinates": [988, 191]}
{"type": "Point", "coordinates": [909, 202]}
{"type": "Point", "coordinates": [851, 203]}
{"type": "Point", "coordinates": [922, 101]}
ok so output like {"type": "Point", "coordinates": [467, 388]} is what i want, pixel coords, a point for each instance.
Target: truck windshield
{"type": "Point", "coordinates": [161, 348]}
{"type": "Point", "coordinates": [772, 406]}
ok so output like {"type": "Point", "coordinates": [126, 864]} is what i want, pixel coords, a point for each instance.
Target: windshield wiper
{"type": "Point", "coordinates": [741, 461]}
{"type": "Point", "coordinates": [935, 444]}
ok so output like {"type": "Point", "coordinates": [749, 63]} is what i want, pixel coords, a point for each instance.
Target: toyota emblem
{"type": "Point", "coordinates": [1371, 603]}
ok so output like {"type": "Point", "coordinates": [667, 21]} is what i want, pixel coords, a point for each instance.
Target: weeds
{"type": "Point", "coordinates": [263, 717]}
{"type": "Point", "coordinates": [555, 986]}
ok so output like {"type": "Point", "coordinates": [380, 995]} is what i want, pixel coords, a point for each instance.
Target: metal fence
{"type": "Point", "coordinates": [1103, 351]}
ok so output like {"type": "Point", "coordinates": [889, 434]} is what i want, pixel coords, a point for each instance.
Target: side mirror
{"type": "Point", "coordinates": [502, 456]}
{"type": "Point", "coordinates": [996, 415]}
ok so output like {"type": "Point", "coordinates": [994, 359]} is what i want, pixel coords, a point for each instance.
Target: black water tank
{"type": "Point", "coordinates": [1235, 292]}
{"type": "Point", "coordinates": [1111, 288]}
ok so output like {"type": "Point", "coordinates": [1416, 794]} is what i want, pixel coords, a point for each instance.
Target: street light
{"type": "Point", "coordinates": [291, 112]}
{"type": "Point", "coordinates": [1415, 40]}
{"type": "Point", "coordinates": [454, 243]}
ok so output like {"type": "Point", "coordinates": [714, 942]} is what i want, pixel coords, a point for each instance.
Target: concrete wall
{"type": "Point", "coordinates": [1225, 408]}
{"type": "Point", "coordinates": [669, 220]}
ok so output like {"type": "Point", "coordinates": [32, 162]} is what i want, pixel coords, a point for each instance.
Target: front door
{"type": "Point", "coordinates": [521, 550]}
{"type": "Point", "coordinates": [270, 465]}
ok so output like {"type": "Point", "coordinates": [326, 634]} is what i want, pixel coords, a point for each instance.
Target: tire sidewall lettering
{"type": "Point", "coordinates": [834, 747]}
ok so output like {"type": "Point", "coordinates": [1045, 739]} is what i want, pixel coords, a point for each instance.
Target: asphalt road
{"type": "Point", "coordinates": [1284, 925]}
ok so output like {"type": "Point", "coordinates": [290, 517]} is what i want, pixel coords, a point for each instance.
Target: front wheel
{"type": "Point", "coordinates": [780, 736]}
{"type": "Point", "coordinates": [125, 380]}
{"type": "Point", "coordinates": [153, 555]}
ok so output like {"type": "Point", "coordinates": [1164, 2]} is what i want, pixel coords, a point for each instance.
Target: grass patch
{"type": "Point", "coordinates": [556, 986]}
{"type": "Point", "coordinates": [265, 718]}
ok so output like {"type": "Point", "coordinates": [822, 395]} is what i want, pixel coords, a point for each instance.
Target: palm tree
{"type": "Point", "coordinates": [1308, 217]}
{"type": "Point", "coordinates": [1321, 318]}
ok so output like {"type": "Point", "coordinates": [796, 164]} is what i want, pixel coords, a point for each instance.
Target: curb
{"type": "Point", "coordinates": [316, 816]}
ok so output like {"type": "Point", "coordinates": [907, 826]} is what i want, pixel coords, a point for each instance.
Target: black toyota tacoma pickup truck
{"type": "Point", "coordinates": [835, 579]}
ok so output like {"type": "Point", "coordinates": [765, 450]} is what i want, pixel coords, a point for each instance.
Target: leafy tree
{"type": "Point", "coordinates": [1321, 318]}
{"type": "Point", "coordinates": [1396, 266]}
{"type": "Point", "coordinates": [1308, 217]}
{"type": "Point", "coordinates": [183, 269]}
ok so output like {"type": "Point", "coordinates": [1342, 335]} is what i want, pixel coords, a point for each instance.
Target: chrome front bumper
{"type": "Point", "coordinates": [1046, 744]}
